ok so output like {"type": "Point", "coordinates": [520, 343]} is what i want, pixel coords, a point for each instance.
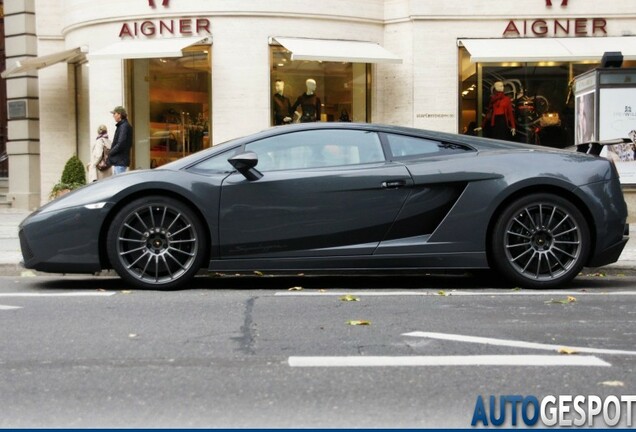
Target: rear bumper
{"type": "Point", "coordinates": [610, 254]}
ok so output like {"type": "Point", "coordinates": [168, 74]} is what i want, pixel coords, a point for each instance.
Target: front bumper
{"type": "Point", "coordinates": [62, 241]}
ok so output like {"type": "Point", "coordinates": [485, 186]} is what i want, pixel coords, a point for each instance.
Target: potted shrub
{"type": "Point", "coordinates": [73, 177]}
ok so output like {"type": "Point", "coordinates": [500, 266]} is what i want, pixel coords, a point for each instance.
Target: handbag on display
{"type": "Point", "coordinates": [550, 119]}
{"type": "Point", "coordinates": [344, 116]}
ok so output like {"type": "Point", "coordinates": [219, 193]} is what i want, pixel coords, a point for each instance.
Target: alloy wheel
{"type": "Point", "coordinates": [156, 243]}
{"type": "Point", "coordinates": [543, 241]}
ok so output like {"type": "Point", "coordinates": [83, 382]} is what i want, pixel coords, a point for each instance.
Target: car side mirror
{"type": "Point", "coordinates": [245, 163]}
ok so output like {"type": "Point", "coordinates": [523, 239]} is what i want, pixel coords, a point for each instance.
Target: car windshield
{"type": "Point", "coordinates": [201, 155]}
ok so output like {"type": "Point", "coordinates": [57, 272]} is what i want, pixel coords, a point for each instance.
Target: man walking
{"type": "Point", "coordinates": [119, 156]}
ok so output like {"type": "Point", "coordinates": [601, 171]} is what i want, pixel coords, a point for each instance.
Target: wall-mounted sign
{"type": "Point", "coordinates": [557, 27]}
{"type": "Point", "coordinates": [17, 109]}
{"type": "Point", "coordinates": [163, 27]}
{"type": "Point", "coordinates": [183, 27]}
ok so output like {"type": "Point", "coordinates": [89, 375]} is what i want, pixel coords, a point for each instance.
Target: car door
{"type": "Point", "coordinates": [325, 192]}
{"type": "Point", "coordinates": [441, 172]}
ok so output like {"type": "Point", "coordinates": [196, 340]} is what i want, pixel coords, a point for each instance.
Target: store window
{"type": "Point", "coordinates": [306, 91]}
{"type": "Point", "coordinates": [171, 106]}
{"type": "Point", "coordinates": [539, 95]}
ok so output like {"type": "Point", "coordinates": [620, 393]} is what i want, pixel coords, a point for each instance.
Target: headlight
{"type": "Point", "coordinates": [95, 206]}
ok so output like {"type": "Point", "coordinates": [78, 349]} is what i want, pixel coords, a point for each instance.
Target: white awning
{"type": "Point", "coordinates": [336, 50]}
{"type": "Point", "coordinates": [153, 48]}
{"type": "Point", "coordinates": [547, 49]}
{"type": "Point", "coordinates": [74, 55]}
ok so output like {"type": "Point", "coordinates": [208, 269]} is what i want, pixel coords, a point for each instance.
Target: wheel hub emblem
{"type": "Point", "coordinates": [157, 240]}
{"type": "Point", "coordinates": [542, 240]}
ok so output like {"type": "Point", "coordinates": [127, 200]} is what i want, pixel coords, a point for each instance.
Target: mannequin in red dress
{"type": "Point", "coordinates": [500, 120]}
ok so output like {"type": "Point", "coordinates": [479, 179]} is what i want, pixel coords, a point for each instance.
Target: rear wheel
{"type": "Point", "coordinates": [540, 241]}
{"type": "Point", "coordinates": [157, 243]}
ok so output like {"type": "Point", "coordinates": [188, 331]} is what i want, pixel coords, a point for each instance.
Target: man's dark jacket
{"type": "Point", "coordinates": [122, 142]}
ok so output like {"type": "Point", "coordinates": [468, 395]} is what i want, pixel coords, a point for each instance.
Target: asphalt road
{"type": "Point", "coordinates": [250, 352]}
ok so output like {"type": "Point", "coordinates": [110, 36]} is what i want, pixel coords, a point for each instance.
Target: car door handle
{"type": "Point", "coordinates": [393, 184]}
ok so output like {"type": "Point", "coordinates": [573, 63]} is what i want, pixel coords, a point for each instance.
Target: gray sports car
{"type": "Point", "coordinates": [327, 196]}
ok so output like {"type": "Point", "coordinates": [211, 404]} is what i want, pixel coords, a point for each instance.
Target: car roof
{"type": "Point", "coordinates": [470, 140]}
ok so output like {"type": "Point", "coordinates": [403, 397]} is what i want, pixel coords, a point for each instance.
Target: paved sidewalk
{"type": "Point", "coordinates": [10, 255]}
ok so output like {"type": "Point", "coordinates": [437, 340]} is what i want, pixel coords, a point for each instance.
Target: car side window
{"type": "Point", "coordinates": [405, 146]}
{"type": "Point", "coordinates": [317, 148]}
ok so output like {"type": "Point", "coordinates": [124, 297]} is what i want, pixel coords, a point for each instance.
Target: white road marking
{"type": "Point", "coordinates": [475, 360]}
{"type": "Point", "coordinates": [513, 343]}
{"type": "Point", "coordinates": [64, 294]}
{"type": "Point", "coordinates": [5, 307]}
{"type": "Point", "coordinates": [450, 293]}
{"type": "Point", "coordinates": [358, 293]}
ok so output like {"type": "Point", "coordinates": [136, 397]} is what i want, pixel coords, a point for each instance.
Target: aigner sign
{"type": "Point", "coordinates": [162, 27]}
{"type": "Point", "coordinates": [556, 27]}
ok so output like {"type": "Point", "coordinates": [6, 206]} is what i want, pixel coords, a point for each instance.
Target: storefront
{"type": "Point", "coordinates": [537, 77]}
{"type": "Point", "coordinates": [194, 74]}
{"type": "Point", "coordinates": [168, 92]}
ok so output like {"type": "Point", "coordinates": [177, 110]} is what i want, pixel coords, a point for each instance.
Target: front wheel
{"type": "Point", "coordinates": [540, 241]}
{"type": "Point", "coordinates": [156, 242]}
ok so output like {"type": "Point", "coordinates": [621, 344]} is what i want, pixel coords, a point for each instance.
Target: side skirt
{"type": "Point", "coordinates": [467, 260]}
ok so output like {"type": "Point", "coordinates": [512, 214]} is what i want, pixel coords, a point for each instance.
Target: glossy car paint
{"type": "Point", "coordinates": [439, 215]}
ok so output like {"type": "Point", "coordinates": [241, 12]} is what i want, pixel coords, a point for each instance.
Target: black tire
{"type": "Point", "coordinates": [156, 242]}
{"type": "Point", "coordinates": [540, 241]}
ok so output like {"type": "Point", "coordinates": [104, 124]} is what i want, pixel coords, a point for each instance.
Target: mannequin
{"type": "Point", "coordinates": [281, 104]}
{"type": "Point", "coordinates": [500, 120]}
{"type": "Point", "coordinates": [309, 102]}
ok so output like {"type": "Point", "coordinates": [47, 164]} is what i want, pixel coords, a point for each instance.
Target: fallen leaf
{"type": "Point", "coordinates": [567, 300]}
{"type": "Point", "coordinates": [322, 290]}
{"type": "Point", "coordinates": [27, 273]}
{"type": "Point", "coordinates": [442, 293]}
{"type": "Point", "coordinates": [349, 298]}
{"type": "Point", "coordinates": [258, 273]}
{"type": "Point", "coordinates": [296, 288]}
{"type": "Point", "coordinates": [359, 322]}
{"type": "Point", "coordinates": [568, 351]}
{"type": "Point", "coordinates": [516, 289]}
{"type": "Point", "coordinates": [613, 383]}
{"type": "Point", "coordinates": [126, 292]}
